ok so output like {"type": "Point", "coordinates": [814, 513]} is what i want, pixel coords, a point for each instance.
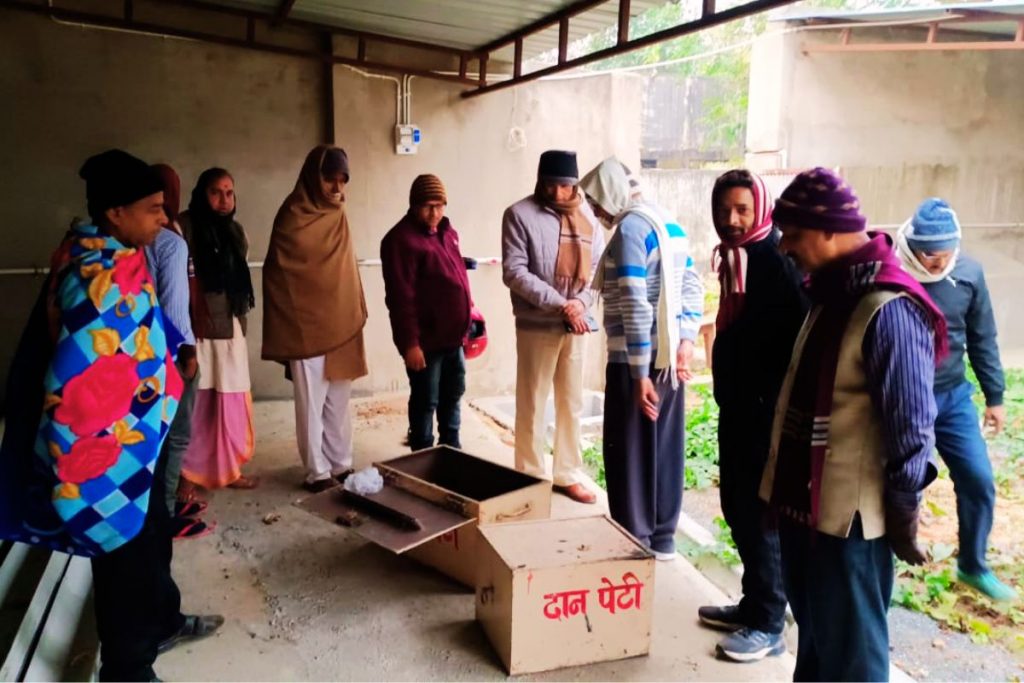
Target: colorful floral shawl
{"type": "Point", "coordinates": [81, 482]}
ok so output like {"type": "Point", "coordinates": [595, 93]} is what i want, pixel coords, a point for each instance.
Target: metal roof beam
{"type": "Point", "coordinates": [320, 27]}
{"type": "Point", "coordinates": [705, 22]}
{"type": "Point", "coordinates": [623, 32]}
{"type": "Point", "coordinates": [983, 46]}
{"type": "Point", "coordinates": [981, 14]}
{"type": "Point", "coordinates": [930, 43]}
{"type": "Point", "coordinates": [548, 21]}
{"type": "Point", "coordinates": [283, 11]}
{"type": "Point", "coordinates": [249, 42]}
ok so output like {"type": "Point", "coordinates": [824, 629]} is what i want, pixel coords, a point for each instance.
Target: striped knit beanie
{"type": "Point", "coordinates": [427, 188]}
{"type": "Point", "coordinates": [819, 199]}
{"type": "Point", "coordinates": [934, 227]}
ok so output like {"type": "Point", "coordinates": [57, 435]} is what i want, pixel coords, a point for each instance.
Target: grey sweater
{"type": "Point", "coordinates": [529, 247]}
{"type": "Point", "coordinates": [964, 300]}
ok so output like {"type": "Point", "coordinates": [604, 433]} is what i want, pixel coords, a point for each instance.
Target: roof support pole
{"type": "Point", "coordinates": [737, 12]}
{"type": "Point", "coordinates": [563, 39]}
{"type": "Point", "coordinates": [550, 20]}
{"type": "Point", "coordinates": [624, 21]}
{"type": "Point", "coordinates": [283, 10]}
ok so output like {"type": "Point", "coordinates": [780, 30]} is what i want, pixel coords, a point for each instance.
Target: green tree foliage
{"type": "Point", "coordinates": [721, 53]}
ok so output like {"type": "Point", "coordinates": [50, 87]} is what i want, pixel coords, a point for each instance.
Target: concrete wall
{"type": "Point", "coordinates": [686, 193]}
{"type": "Point", "coordinates": [902, 126]}
{"type": "Point", "coordinates": [467, 143]}
{"type": "Point", "coordinates": [72, 92]}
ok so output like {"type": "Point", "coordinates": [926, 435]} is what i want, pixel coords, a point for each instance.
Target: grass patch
{"type": "Point", "coordinates": [701, 439]}
{"type": "Point", "coordinates": [933, 589]}
{"type": "Point", "coordinates": [593, 462]}
{"type": "Point", "coordinates": [701, 443]}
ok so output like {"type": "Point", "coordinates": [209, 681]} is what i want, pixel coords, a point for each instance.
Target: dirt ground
{"type": "Point", "coordinates": [923, 647]}
{"type": "Point", "coordinates": [307, 600]}
{"type": "Point", "coordinates": [939, 520]}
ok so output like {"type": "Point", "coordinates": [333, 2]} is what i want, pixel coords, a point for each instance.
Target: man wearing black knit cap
{"type": "Point", "coordinates": [551, 245]}
{"type": "Point", "coordinates": [137, 602]}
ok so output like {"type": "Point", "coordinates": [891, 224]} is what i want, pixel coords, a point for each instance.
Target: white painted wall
{"type": "Point", "coordinates": [71, 92]}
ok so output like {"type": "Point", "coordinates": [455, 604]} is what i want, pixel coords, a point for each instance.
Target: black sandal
{"type": "Point", "coordinates": [196, 626]}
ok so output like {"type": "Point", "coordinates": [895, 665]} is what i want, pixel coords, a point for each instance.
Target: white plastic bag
{"type": "Point", "coordinates": [365, 482]}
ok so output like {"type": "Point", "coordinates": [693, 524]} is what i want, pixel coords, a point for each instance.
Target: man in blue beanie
{"type": "Point", "coordinates": [929, 246]}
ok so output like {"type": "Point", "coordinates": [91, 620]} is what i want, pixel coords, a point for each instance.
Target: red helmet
{"type": "Point", "coordinates": [476, 340]}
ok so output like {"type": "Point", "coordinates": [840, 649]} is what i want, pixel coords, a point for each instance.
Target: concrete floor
{"type": "Point", "coordinates": [306, 600]}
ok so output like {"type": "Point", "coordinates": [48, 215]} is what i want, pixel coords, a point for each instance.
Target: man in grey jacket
{"type": "Point", "coordinates": [551, 245]}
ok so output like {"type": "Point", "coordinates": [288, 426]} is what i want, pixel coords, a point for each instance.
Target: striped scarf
{"type": "Point", "coordinates": [729, 257]}
{"type": "Point", "coordinates": [835, 292]}
{"type": "Point", "coordinates": [575, 241]}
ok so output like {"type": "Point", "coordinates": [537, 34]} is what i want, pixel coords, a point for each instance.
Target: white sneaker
{"type": "Point", "coordinates": [664, 557]}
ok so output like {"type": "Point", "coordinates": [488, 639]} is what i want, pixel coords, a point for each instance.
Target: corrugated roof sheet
{"type": "Point", "coordinates": [1013, 12]}
{"type": "Point", "coordinates": [462, 24]}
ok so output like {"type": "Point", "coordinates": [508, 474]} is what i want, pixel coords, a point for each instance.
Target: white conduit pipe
{"type": "Point", "coordinates": [363, 263]}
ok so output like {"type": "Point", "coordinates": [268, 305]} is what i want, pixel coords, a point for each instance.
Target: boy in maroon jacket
{"type": "Point", "coordinates": [428, 300]}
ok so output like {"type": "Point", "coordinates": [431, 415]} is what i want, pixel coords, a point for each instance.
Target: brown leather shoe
{"type": "Point", "coordinates": [578, 492]}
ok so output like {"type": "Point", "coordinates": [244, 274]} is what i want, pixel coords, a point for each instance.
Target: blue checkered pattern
{"type": "Point", "coordinates": [110, 509]}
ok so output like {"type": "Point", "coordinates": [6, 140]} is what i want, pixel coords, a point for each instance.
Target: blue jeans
{"type": "Point", "coordinates": [437, 388]}
{"type": "Point", "coordinates": [960, 444]}
{"type": "Point", "coordinates": [839, 589]}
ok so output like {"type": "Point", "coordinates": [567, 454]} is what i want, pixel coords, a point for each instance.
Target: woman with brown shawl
{"type": "Point", "coordinates": [314, 313]}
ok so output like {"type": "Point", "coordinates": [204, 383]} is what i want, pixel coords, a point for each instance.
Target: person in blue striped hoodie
{"type": "Point", "coordinates": [653, 304]}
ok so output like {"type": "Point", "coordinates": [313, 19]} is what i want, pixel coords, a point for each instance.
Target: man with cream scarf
{"type": "Point", "coordinates": [929, 247]}
{"type": "Point", "coordinates": [653, 303]}
{"type": "Point", "coordinates": [550, 244]}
